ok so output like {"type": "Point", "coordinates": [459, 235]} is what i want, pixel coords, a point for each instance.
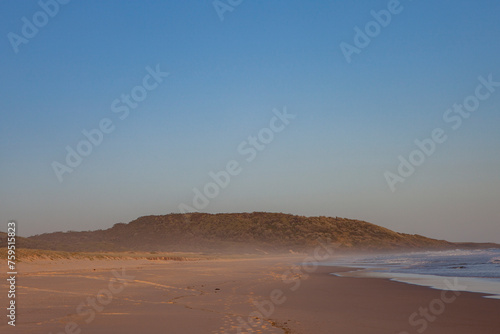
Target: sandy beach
{"type": "Point", "coordinates": [253, 295]}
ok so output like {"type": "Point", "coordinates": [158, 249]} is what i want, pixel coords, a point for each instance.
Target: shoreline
{"type": "Point", "coordinates": [489, 287]}
{"type": "Point", "coordinates": [252, 295]}
{"type": "Point", "coordinates": [387, 306]}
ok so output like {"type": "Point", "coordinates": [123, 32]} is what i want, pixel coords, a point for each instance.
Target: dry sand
{"type": "Point", "coordinates": [221, 296]}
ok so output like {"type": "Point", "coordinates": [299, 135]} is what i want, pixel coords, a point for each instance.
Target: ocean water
{"type": "Point", "coordinates": [453, 263]}
{"type": "Point", "coordinates": [475, 270]}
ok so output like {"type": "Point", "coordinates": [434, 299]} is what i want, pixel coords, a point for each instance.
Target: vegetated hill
{"type": "Point", "coordinates": [234, 232]}
{"type": "Point", "coordinates": [22, 242]}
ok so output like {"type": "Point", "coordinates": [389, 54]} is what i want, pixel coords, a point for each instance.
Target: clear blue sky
{"type": "Point", "coordinates": [352, 121]}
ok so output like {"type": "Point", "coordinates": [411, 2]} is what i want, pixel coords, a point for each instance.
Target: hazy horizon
{"type": "Point", "coordinates": [305, 110]}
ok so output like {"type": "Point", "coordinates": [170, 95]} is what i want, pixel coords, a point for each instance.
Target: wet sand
{"type": "Point", "coordinates": [261, 295]}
